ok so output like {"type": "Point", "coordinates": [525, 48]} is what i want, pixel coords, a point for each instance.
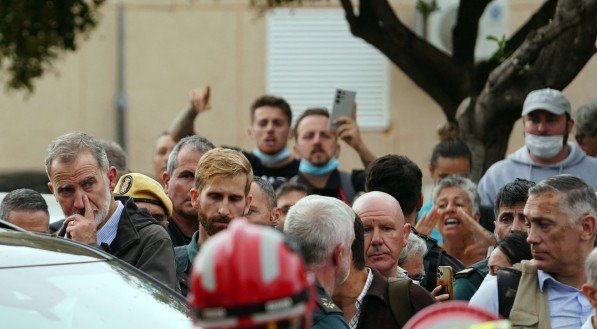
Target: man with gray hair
{"type": "Point", "coordinates": [589, 289]}
{"type": "Point", "coordinates": [82, 180]}
{"type": "Point", "coordinates": [27, 209]}
{"type": "Point", "coordinates": [116, 157]}
{"type": "Point", "coordinates": [366, 294]}
{"type": "Point", "coordinates": [263, 208]}
{"type": "Point", "coordinates": [585, 128]}
{"type": "Point", "coordinates": [178, 180]}
{"type": "Point", "coordinates": [323, 227]}
{"type": "Point", "coordinates": [561, 216]}
{"type": "Point", "coordinates": [411, 257]}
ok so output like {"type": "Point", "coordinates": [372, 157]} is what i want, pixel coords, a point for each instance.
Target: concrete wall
{"type": "Point", "coordinates": [173, 46]}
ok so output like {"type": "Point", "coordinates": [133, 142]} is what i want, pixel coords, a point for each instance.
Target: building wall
{"type": "Point", "coordinates": [173, 46]}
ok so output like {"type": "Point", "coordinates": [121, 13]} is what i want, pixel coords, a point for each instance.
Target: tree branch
{"type": "Point", "coordinates": [527, 53]}
{"type": "Point", "coordinates": [350, 16]}
{"type": "Point", "coordinates": [544, 59]}
{"type": "Point", "coordinates": [465, 32]}
{"type": "Point", "coordinates": [429, 68]}
{"type": "Point", "coordinates": [540, 18]}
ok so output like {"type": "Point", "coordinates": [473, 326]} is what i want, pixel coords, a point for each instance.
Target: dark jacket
{"type": "Point", "coordinates": [375, 310]}
{"type": "Point", "coordinates": [184, 256]}
{"type": "Point", "coordinates": [468, 281]}
{"type": "Point", "coordinates": [340, 185]}
{"type": "Point", "coordinates": [142, 242]}
{"type": "Point", "coordinates": [326, 314]}
{"type": "Point", "coordinates": [176, 235]}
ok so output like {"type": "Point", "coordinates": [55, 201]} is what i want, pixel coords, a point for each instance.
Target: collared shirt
{"type": "Point", "coordinates": [107, 233]}
{"type": "Point", "coordinates": [569, 308]}
{"type": "Point", "coordinates": [588, 324]}
{"type": "Point", "coordinates": [359, 302]}
{"type": "Point", "coordinates": [193, 247]}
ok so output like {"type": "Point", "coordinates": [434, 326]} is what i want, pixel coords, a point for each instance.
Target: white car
{"type": "Point", "coordinates": [49, 282]}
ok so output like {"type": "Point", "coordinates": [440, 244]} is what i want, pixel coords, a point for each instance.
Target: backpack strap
{"type": "Point", "coordinates": [346, 187]}
{"type": "Point", "coordinates": [507, 282]}
{"type": "Point", "coordinates": [399, 299]}
{"type": "Point", "coordinates": [431, 262]}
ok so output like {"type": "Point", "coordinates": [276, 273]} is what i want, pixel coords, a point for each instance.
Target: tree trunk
{"type": "Point", "coordinates": [549, 50]}
{"type": "Point", "coordinates": [482, 100]}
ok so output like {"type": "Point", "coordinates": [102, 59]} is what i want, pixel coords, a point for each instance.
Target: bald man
{"type": "Point", "coordinates": [364, 297]}
{"type": "Point", "coordinates": [386, 231]}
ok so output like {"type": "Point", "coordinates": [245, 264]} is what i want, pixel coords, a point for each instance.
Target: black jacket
{"type": "Point", "coordinates": [143, 243]}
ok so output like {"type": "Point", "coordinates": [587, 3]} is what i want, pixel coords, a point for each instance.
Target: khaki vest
{"type": "Point", "coordinates": [530, 308]}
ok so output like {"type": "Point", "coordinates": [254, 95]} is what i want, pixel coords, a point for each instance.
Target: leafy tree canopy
{"type": "Point", "coordinates": [33, 33]}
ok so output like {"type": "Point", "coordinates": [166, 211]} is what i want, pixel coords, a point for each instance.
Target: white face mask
{"type": "Point", "coordinates": [544, 147]}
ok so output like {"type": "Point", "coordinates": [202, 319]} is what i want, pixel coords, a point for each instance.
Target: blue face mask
{"type": "Point", "coordinates": [309, 168]}
{"type": "Point", "coordinates": [271, 159]}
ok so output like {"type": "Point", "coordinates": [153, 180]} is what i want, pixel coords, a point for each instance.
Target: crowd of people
{"type": "Point", "coordinates": [282, 238]}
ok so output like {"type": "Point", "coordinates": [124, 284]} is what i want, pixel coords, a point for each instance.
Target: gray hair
{"type": "Point", "coordinates": [67, 147]}
{"type": "Point", "coordinates": [576, 195]}
{"type": "Point", "coordinates": [462, 183]}
{"type": "Point", "coordinates": [319, 224]}
{"type": "Point", "coordinates": [195, 143]}
{"type": "Point", "coordinates": [268, 190]}
{"type": "Point", "coordinates": [116, 156]}
{"type": "Point", "coordinates": [22, 199]}
{"type": "Point", "coordinates": [414, 246]}
{"type": "Point", "coordinates": [585, 120]}
{"type": "Point", "coordinates": [591, 268]}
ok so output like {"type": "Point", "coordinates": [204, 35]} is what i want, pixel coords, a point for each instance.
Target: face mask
{"type": "Point", "coordinates": [544, 147]}
{"type": "Point", "coordinates": [271, 159]}
{"type": "Point", "coordinates": [309, 168]}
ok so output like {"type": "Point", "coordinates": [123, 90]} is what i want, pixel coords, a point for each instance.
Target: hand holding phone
{"type": "Point", "coordinates": [445, 278]}
{"type": "Point", "coordinates": [343, 106]}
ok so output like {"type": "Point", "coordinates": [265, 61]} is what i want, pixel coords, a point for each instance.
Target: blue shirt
{"type": "Point", "coordinates": [588, 324]}
{"type": "Point", "coordinates": [107, 233]}
{"type": "Point", "coordinates": [568, 307]}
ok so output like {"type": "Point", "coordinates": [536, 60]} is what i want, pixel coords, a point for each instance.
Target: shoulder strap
{"type": "Point", "coordinates": [399, 299]}
{"type": "Point", "coordinates": [346, 185]}
{"type": "Point", "coordinates": [507, 282]}
{"type": "Point", "coordinates": [431, 262]}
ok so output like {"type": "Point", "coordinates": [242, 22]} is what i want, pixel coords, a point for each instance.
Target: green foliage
{"type": "Point", "coordinates": [35, 32]}
{"type": "Point", "coordinates": [499, 55]}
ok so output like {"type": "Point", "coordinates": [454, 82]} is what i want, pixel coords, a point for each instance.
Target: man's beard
{"type": "Point", "coordinates": [207, 223]}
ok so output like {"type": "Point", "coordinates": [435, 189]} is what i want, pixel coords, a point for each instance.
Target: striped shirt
{"type": "Point", "coordinates": [359, 302]}
{"type": "Point", "coordinates": [107, 233]}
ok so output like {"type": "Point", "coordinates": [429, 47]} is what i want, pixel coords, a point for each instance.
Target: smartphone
{"type": "Point", "coordinates": [445, 278]}
{"type": "Point", "coordinates": [343, 102]}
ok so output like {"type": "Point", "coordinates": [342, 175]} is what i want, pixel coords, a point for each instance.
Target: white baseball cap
{"type": "Point", "coordinates": [550, 100]}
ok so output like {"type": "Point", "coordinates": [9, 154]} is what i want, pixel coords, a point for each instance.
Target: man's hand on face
{"type": "Point", "coordinates": [199, 99]}
{"type": "Point", "coordinates": [82, 228]}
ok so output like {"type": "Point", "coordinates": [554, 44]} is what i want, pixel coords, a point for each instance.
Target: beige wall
{"type": "Point", "coordinates": [172, 46]}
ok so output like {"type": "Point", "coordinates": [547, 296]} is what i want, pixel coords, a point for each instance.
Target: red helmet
{"type": "Point", "coordinates": [247, 276]}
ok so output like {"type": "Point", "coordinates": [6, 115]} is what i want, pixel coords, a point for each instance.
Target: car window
{"type": "Point", "coordinates": [86, 295]}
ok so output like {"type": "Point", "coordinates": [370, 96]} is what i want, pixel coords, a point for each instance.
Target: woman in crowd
{"type": "Point", "coordinates": [512, 249]}
{"type": "Point", "coordinates": [456, 215]}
